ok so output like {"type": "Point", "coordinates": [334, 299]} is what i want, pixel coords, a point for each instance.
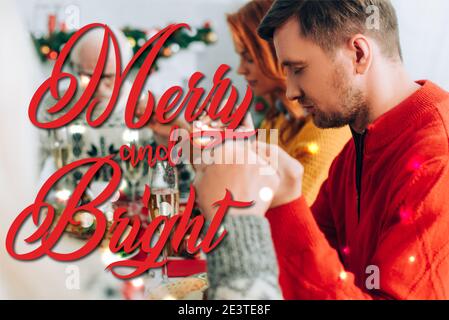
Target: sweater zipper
{"type": "Point", "coordinates": [359, 140]}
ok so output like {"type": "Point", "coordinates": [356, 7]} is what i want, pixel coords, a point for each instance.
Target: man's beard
{"type": "Point", "coordinates": [353, 106]}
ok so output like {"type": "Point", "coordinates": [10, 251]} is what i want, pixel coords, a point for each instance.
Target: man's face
{"type": "Point", "coordinates": [85, 66]}
{"type": "Point", "coordinates": [323, 83]}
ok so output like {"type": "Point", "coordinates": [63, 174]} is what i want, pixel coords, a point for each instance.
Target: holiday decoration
{"type": "Point", "coordinates": [259, 110]}
{"type": "Point", "coordinates": [260, 104]}
{"type": "Point", "coordinates": [49, 46]}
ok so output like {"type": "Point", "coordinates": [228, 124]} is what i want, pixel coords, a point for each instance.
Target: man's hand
{"type": "Point", "coordinates": [289, 169]}
{"type": "Point", "coordinates": [245, 181]}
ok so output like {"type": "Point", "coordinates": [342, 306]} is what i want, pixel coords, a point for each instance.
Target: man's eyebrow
{"type": "Point", "coordinates": [289, 63]}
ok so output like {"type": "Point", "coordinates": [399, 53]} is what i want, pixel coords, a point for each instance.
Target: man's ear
{"type": "Point", "coordinates": [362, 53]}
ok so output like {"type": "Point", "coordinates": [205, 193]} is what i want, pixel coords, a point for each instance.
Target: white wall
{"type": "Point", "coordinates": [424, 31]}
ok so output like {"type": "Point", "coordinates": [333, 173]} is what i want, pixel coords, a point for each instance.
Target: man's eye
{"type": "Point", "coordinates": [297, 71]}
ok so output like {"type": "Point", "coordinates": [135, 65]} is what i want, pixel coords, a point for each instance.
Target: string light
{"type": "Point", "coordinates": [266, 194]}
{"type": "Point", "coordinates": [137, 282]}
{"type": "Point", "coordinates": [411, 259]}
{"type": "Point", "coordinates": [132, 41]}
{"type": "Point", "coordinates": [313, 148]}
{"type": "Point", "coordinates": [77, 128]}
{"type": "Point", "coordinates": [166, 52]}
{"type": "Point", "coordinates": [53, 55]}
{"type": "Point", "coordinates": [84, 80]}
{"type": "Point", "coordinates": [414, 164]}
{"type": "Point", "coordinates": [346, 250]}
{"type": "Point", "coordinates": [343, 275]}
{"type": "Point", "coordinates": [85, 218]}
{"type": "Point", "coordinates": [45, 50]}
{"type": "Point", "coordinates": [130, 136]}
{"type": "Point", "coordinates": [211, 37]}
{"type": "Point", "coordinates": [49, 47]}
{"type": "Point", "coordinates": [63, 195]}
{"type": "Point", "coordinates": [405, 215]}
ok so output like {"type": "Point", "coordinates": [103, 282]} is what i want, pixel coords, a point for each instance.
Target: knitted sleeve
{"type": "Point", "coordinates": [244, 265]}
{"type": "Point", "coordinates": [310, 267]}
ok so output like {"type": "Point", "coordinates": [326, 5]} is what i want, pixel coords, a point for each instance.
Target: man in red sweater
{"type": "Point", "coordinates": [378, 229]}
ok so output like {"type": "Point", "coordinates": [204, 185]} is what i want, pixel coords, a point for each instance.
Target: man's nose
{"type": "Point", "coordinates": [293, 91]}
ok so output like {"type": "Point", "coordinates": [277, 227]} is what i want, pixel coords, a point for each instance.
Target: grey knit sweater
{"type": "Point", "coordinates": [244, 265]}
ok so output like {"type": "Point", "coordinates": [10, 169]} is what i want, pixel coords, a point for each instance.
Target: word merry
{"type": "Point", "coordinates": [167, 109]}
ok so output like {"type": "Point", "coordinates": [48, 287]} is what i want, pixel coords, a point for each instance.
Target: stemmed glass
{"type": "Point", "coordinates": [61, 149]}
{"type": "Point", "coordinates": [60, 146]}
{"type": "Point", "coordinates": [164, 199]}
{"type": "Point", "coordinates": [133, 173]}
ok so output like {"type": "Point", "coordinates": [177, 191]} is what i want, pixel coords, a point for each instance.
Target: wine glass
{"type": "Point", "coordinates": [164, 200]}
{"type": "Point", "coordinates": [61, 149]}
{"type": "Point", "coordinates": [61, 146]}
{"type": "Point", "coordinates": [133, 173]}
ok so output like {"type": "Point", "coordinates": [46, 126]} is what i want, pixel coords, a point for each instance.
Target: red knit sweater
{"type": "Point", "coordinates": [399, 247]}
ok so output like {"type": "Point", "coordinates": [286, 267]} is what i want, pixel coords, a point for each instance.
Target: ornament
{"type": "Point", "coordinates": [166, 52]}
{"type": "Point", "coordinates": [85, 218]}
{"type": "Point", "coordinates": [141, 42]}
{"type": "Point", "coordinates": [175, 47]}
{"type": "Point", "coordinates": [132, 41]}
{"type": "Point", "coordinates": [259, 106]}
{"type": "Point", "coordinates": [211, 37]}
{"type": "Point", "coordinates": [53, 55]}
{"type": "Point", "coordinates": [45, 50]}
{"type": "Point", "coordinates": [49, 46]}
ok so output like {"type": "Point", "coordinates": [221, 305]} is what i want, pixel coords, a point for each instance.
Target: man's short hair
{"type": "Point", "coordinates": [330, 23]}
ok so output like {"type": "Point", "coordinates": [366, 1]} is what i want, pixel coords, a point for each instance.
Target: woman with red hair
{"type": "Point", "coordinates": [315, 148]}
